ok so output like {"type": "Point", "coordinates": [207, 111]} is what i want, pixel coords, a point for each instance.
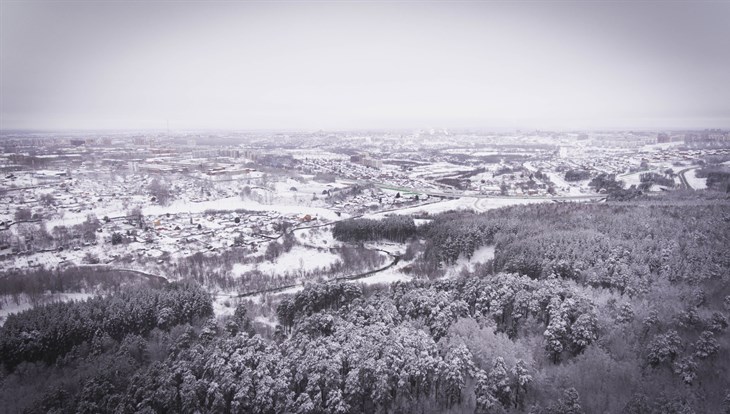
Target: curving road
{"type": "Point", "coordinates": [683, 179]}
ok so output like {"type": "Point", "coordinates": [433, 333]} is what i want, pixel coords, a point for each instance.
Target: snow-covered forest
{"type": "Point", "coordinates": [617, 307]}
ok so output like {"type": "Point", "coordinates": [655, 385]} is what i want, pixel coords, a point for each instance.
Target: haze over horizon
{"type": "Point", "coordinates": [352, 65]}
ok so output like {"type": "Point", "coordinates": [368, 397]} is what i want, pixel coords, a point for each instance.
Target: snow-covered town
{"type": "Point", "coordinates": [151, 202]}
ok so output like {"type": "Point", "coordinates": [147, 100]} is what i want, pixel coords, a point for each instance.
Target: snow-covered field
{"type": "Point", "coordinates": [438, 168]}
{"type": "Point", "coordinates": [224, 304]}
{"type": "Point", "coordinates": [630, 179]}
{"type": "Point", "coordinates": [298, 259]}
{"type": "Point", "coordinates": [320, 237]}
{"type": "Point", "coordinates": [694, 181]}
{"type": "Point", "coordinates": [292, 189]}
{"type": "Point", "coordinates": [573, 189]}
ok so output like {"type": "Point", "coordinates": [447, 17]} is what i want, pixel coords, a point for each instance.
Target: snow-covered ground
{"type": "Point", "coordinates": [661, 147]}
{"type": "Point", "coordinates": [420, 222]}
{"type": "Point", "coordinates": [635, 179]}
{"type": "Point", "coordinates": [291, 290]}
{"type": "Point", "coordinates": [224, 304]}
{"type": "Point", "coordinates": [694, 181]}
{"type": "Point", "coordinates": [631, 179]}
{"type": "Point", "coordinates": [481, 255]}
{"type": "Point", "coordinates": [387, 276]}
{"type": "Point", "coordinates": [573, 189]}
{"type": "Point", "coordinates": [298, 259]}
{"type": "Point", "coordinates": [320, 237]}
{"type": "Point", "coordinates": [45, 259]}
{"type": "Point", "coordinates": [390, 247]}
{"type": "Point", "coordinates": [265, 321]}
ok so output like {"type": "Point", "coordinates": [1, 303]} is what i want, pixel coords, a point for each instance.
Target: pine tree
{"type": "Point", "coordinates": [706, 346]}
{"type": "Point", "coordinates": [664, 347]}
{"type": "Point", "coordinates": [583, 332]}
{"type": "Point", "coordinates": [522, 379]}
{"type": "Point", "coordinates": [499, 383]}
{"type": "Point", "coordinates": [486, 403]}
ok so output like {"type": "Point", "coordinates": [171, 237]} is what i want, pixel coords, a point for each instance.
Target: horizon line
{"type": "Point", "coordinates": [373, 129]}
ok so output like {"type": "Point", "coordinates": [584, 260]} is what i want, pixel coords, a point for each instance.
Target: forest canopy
{"type": "Point", "coordinates": [617, 307]}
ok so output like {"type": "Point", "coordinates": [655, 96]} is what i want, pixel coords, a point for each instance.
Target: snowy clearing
{"type": "Point", "coordinates": [298, 259]}
{"type": "Point", "coordinates": [694, 181]}
{"type": "Point", "coordinates": [481, 255]}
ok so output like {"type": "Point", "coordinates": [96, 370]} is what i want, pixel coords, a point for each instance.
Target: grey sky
{"type": "Point", "coordinates": [340, 65]}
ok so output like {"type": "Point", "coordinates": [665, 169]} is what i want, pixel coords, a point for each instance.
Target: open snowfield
{"type": "Point", "coordinates": [316, 154]}
{"type": "Point", "coordinates": [660, 147]}
{"type": "Point", "coordinates": [298, 259]}
{"type": "Point", "coordinates": [574, 189]}
{"type": "Point", "coordinates": [317, 237]}
{"type": "Point", "coordinates": [224, 304]}
{"type": "Point", "coordinates": [437, 168]}
{"type": "Point", "coordinates": [284, 189]}
{"type": "Point", "coordinates": [630, 179]}
{"type": "Point", "coordinates": [72, 219]}
{"type": "Point", "coordinates": [694, 181]}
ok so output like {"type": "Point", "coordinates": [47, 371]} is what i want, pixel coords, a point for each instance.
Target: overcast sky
{"type": "Point", "coordinates": [351, 65]}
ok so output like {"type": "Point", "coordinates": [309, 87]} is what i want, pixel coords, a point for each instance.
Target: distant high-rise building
{"type": "Point", "coordinates": [707, 136]}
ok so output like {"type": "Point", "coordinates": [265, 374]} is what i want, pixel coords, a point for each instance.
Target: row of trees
{"type": "Point", "coordinates": [577, 175]}
{"type": "Point", "coordinates": [651, 178]}
{"type": "Point", "coordinates": [45, 333]}
{"type": "Point", "coordinates": [36, 284]}
{"type": "Point", "coordinates": [718, 178]}
{"type": "Point", "coordinates": [394, 228]}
